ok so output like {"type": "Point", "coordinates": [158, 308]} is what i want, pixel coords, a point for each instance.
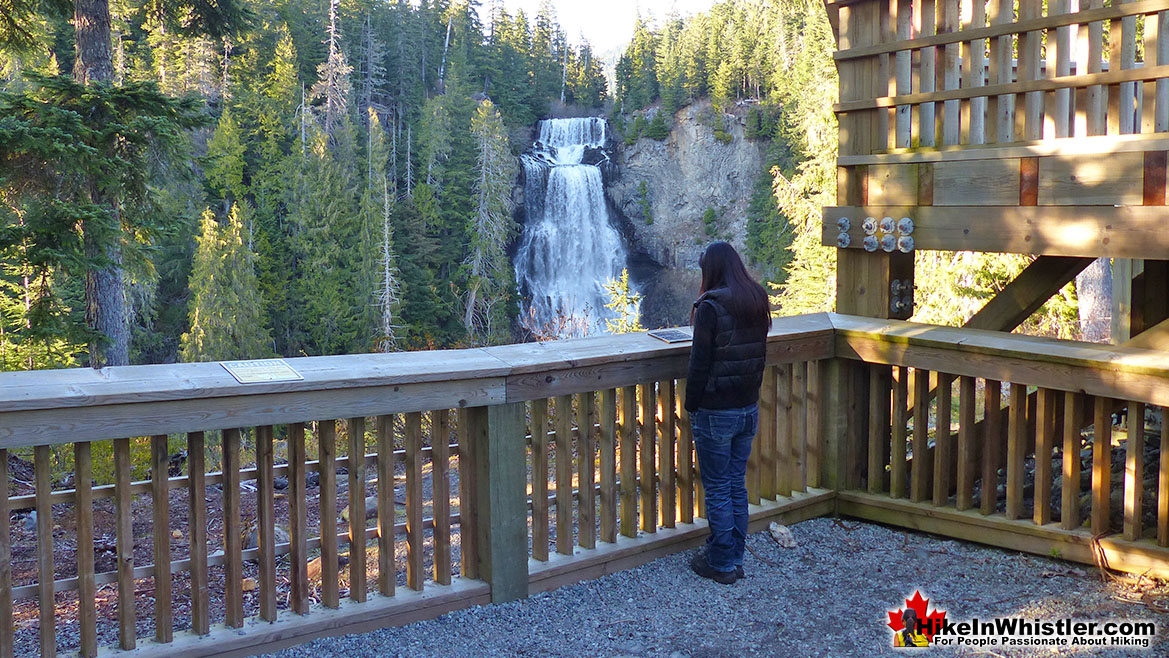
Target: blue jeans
{"type": "Point", "coordinates": [722, 439]}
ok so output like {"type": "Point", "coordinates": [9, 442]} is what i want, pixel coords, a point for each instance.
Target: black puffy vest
{"type": "Point", "coordinates": [726, 360]}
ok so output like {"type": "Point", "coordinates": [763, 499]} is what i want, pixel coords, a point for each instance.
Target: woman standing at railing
{"type": "Point", "coordinates": [730, 321]}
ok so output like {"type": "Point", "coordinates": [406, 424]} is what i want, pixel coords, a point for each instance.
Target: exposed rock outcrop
{"type": "Point", "coordinates": [684, 175]}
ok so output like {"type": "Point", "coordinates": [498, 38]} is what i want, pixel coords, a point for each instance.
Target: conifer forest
{"type": "Point", "coordinates": [189, 181]}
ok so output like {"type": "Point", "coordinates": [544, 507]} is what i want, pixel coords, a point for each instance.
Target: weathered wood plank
{"type": "Point", "coordinates": [647, 458]}
{"type": "Point", "coordinates": [919, 476]}
{"type": "Point", "coordinates": [928, 97]}
{"type": "Point", "coordinates": [784, 430]}
{"type": "Point", "coordinates": [799, 416]}
{"type": "Point", "coordinates": [1101, 465]}
{"type": "Point", "coordinates": [356, 468]}
{"type": "Point", "coordinates": [1006, 28]}
{"type": "Point", "coordinates": [1016, 450]}
{"type": "Point", "coordinates": [86, 587]}
{"type": "Point", "coordinates": [415, 570]}
{"type": "Point", "coordinates": [47, 630]}
{"type": "Point", "coordinates": [814, 430]}
{"type": "Point", "coordinates": [1134, 471]}
{"type": "Point", "coordinates": [540, 479]}
{"type": "Point", "coordinates": [1080, 231]}
{"type": "Point", "coordinates": [967, 462]}
{"type": "Point", "coordinates": [440, 461]}
{"type": "Point", "coordinates": [586, 471]}
{"type": "Point", "coordinates": [991, 445]}
{"type": "Point", "coordinates": [298, 598]}
{"type": "Point", "coordinates": [899, 423]}
{"type": "Point", "coordinates": [766, 436]}
{"type": "Point", "coordinates": [1070, 482]}
{"type": "Point", "coordinates": [387, 569]}
{"type": "Point", "coordinates": [1045, 415]}
{"type": "Point", "coordinates": [7, 628]}
{"type": "Point", "coordinates": [564, 532]}
{"type": "Point", "coordinates": [943, 440]}
{"type": "Point", "coordinates": [503, 527]}
{"type": "Point", "coordinates": [627, 428]}
{"type": "Point", "coordinates": [876, 467]}
{"type": "Point", "coordinates": [1163, 484]}
{"type": "Point", "coordinates": [266, 521]}
{"type": "Point", "coordinates": [160, 512]}
{"type": "Point", "coordinates": [608, 458]}
{"type": "Point", "coordinates": [124, 527]}
{"type": "Point", "coordinates": [685, 458]}
{"type": "Point", "coordinates": [327, 489]}
{"type": "Point", "coordinates": [469, 517]}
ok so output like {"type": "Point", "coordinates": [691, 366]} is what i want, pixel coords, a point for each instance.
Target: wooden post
{"type": "Point", "coordinates": [1134, 471]}
{"type": "Point", "coordinates": [586, 460]}
{"type": "Point", "coordinates": [540, 479]}
{"type": "Point", "coordinates": [1016, 450]}
{"type": "Point", "coordinates": [86, 587]}
{"type": "Point", "coordinates": [387, 570]}
{"type": "Point", "coordinates": [297, 521]}
{"type": "Point", "coordinates": [564, 474]}
{"type": "Point", "coordinates": [627, 428]}
{"type": "Point", "coordinates": [327, 490]}
{"type": "Point", "coordinates": [45, 568]}
{"type": "Point", "coordinates": [840, 432]}
{"type": "Point", "coordinates": [440, 461]}
{"type": "Point", "coordinates": [232, 541]}
{"type": "Point", "coordinates": [501, 499]}
{"type": "Point", "coordinates": [1070, 484]}
{"type": "Point", "coordinates": [608, 450]}
{"type": "Point", "coordinates": [7, 636]}
{"type": "Point", "coordinates": [1101, 465]}
{"type": "Point", "coordinates": [648, 457]}
{"type": "Point", "coordinates": [160, 500]}
{"type": "Point", "coordinates": [127, 630]}
{"type": "Point", "coordinates": [468, 523]}
{"type": "Point", "coordinates": [415, 571]}
{"type": "Point", "coordinates": [197, 520]}
{"type": "Point", "coordinates": [266, 521]}
{"type": "Point", "coordinates": [667, 493]}
{"type": "Point", "coordinates": [357, 584]}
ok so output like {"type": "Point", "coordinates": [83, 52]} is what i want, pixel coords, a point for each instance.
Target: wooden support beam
{"type": "Point", "coordinates": [1117, 231]}
{"type": "Point", "coordinates": [1027, 292]}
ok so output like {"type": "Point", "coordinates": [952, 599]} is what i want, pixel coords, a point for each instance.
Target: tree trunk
{"type": "Point", "coordinates": [105, 297]}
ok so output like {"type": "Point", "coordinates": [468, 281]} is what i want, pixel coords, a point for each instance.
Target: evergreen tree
{"type": "Point", "coordinates": [624, 301]}
{"type": "Point", "coordinates": [490, 280]}
{"type": "Point", "coordinates": [225, 160]}
{"type": "Point", "coordinates": [225, 309]}
{"type": "Point", "coordinates": [381, 270]}
{"type": "Point", "coordinates": [332, 87]}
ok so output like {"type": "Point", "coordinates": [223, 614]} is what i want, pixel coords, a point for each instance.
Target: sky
{"type": "Point", "coordinates": [606, 24]}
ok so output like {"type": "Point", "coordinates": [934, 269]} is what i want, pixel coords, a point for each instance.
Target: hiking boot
{"type": "Point", "coordinates": [700, 566]}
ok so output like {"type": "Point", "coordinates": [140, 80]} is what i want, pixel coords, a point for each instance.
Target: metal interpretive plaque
{"type": "Point", "coordinates": [261, 370]}
{"type": "Point", "coordinates": [672, 335]}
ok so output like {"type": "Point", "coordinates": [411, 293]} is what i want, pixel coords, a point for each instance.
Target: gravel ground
{"type": "Point", "coordinates": [829, 596]}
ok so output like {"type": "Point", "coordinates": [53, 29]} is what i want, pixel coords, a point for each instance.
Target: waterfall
{"type": "Point", "coordinates": [569, 248]}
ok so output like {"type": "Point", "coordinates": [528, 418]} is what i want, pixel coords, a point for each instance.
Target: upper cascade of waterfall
{"type": "Point", "coordinates": [564, 141]}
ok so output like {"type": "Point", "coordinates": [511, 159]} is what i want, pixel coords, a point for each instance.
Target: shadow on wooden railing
{"type": "Point", "coordinates": [488, 474]}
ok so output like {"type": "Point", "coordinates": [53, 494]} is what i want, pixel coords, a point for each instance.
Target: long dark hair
{"type": "Point", "coordinates": [722, 268]}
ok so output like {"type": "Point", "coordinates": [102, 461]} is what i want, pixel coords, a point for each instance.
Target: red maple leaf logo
{"type": "Point", "coordinates": [928, 623]}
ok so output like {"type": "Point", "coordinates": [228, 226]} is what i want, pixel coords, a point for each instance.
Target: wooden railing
{"type": "Point", "coordinates": [1010, 440]}
{"type": "Point", "coordinates": [240, 489]}
{"type": "Point", "coordinates": [489, 474]}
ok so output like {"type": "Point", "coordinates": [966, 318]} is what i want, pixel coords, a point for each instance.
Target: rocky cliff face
{"type": "Point", "coordinates": [705, 163]}
{"type": "Point", "coordinates": [686, 174]}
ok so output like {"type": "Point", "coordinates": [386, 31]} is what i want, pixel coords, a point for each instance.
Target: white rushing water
{"type": "Point", "coordinates": [568, 248]}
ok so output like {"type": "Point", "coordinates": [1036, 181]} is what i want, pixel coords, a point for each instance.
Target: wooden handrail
{"type": "Point", "coordinates": [64, 406]}
{"type": "Point", "coordinates": [1103, 370]}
